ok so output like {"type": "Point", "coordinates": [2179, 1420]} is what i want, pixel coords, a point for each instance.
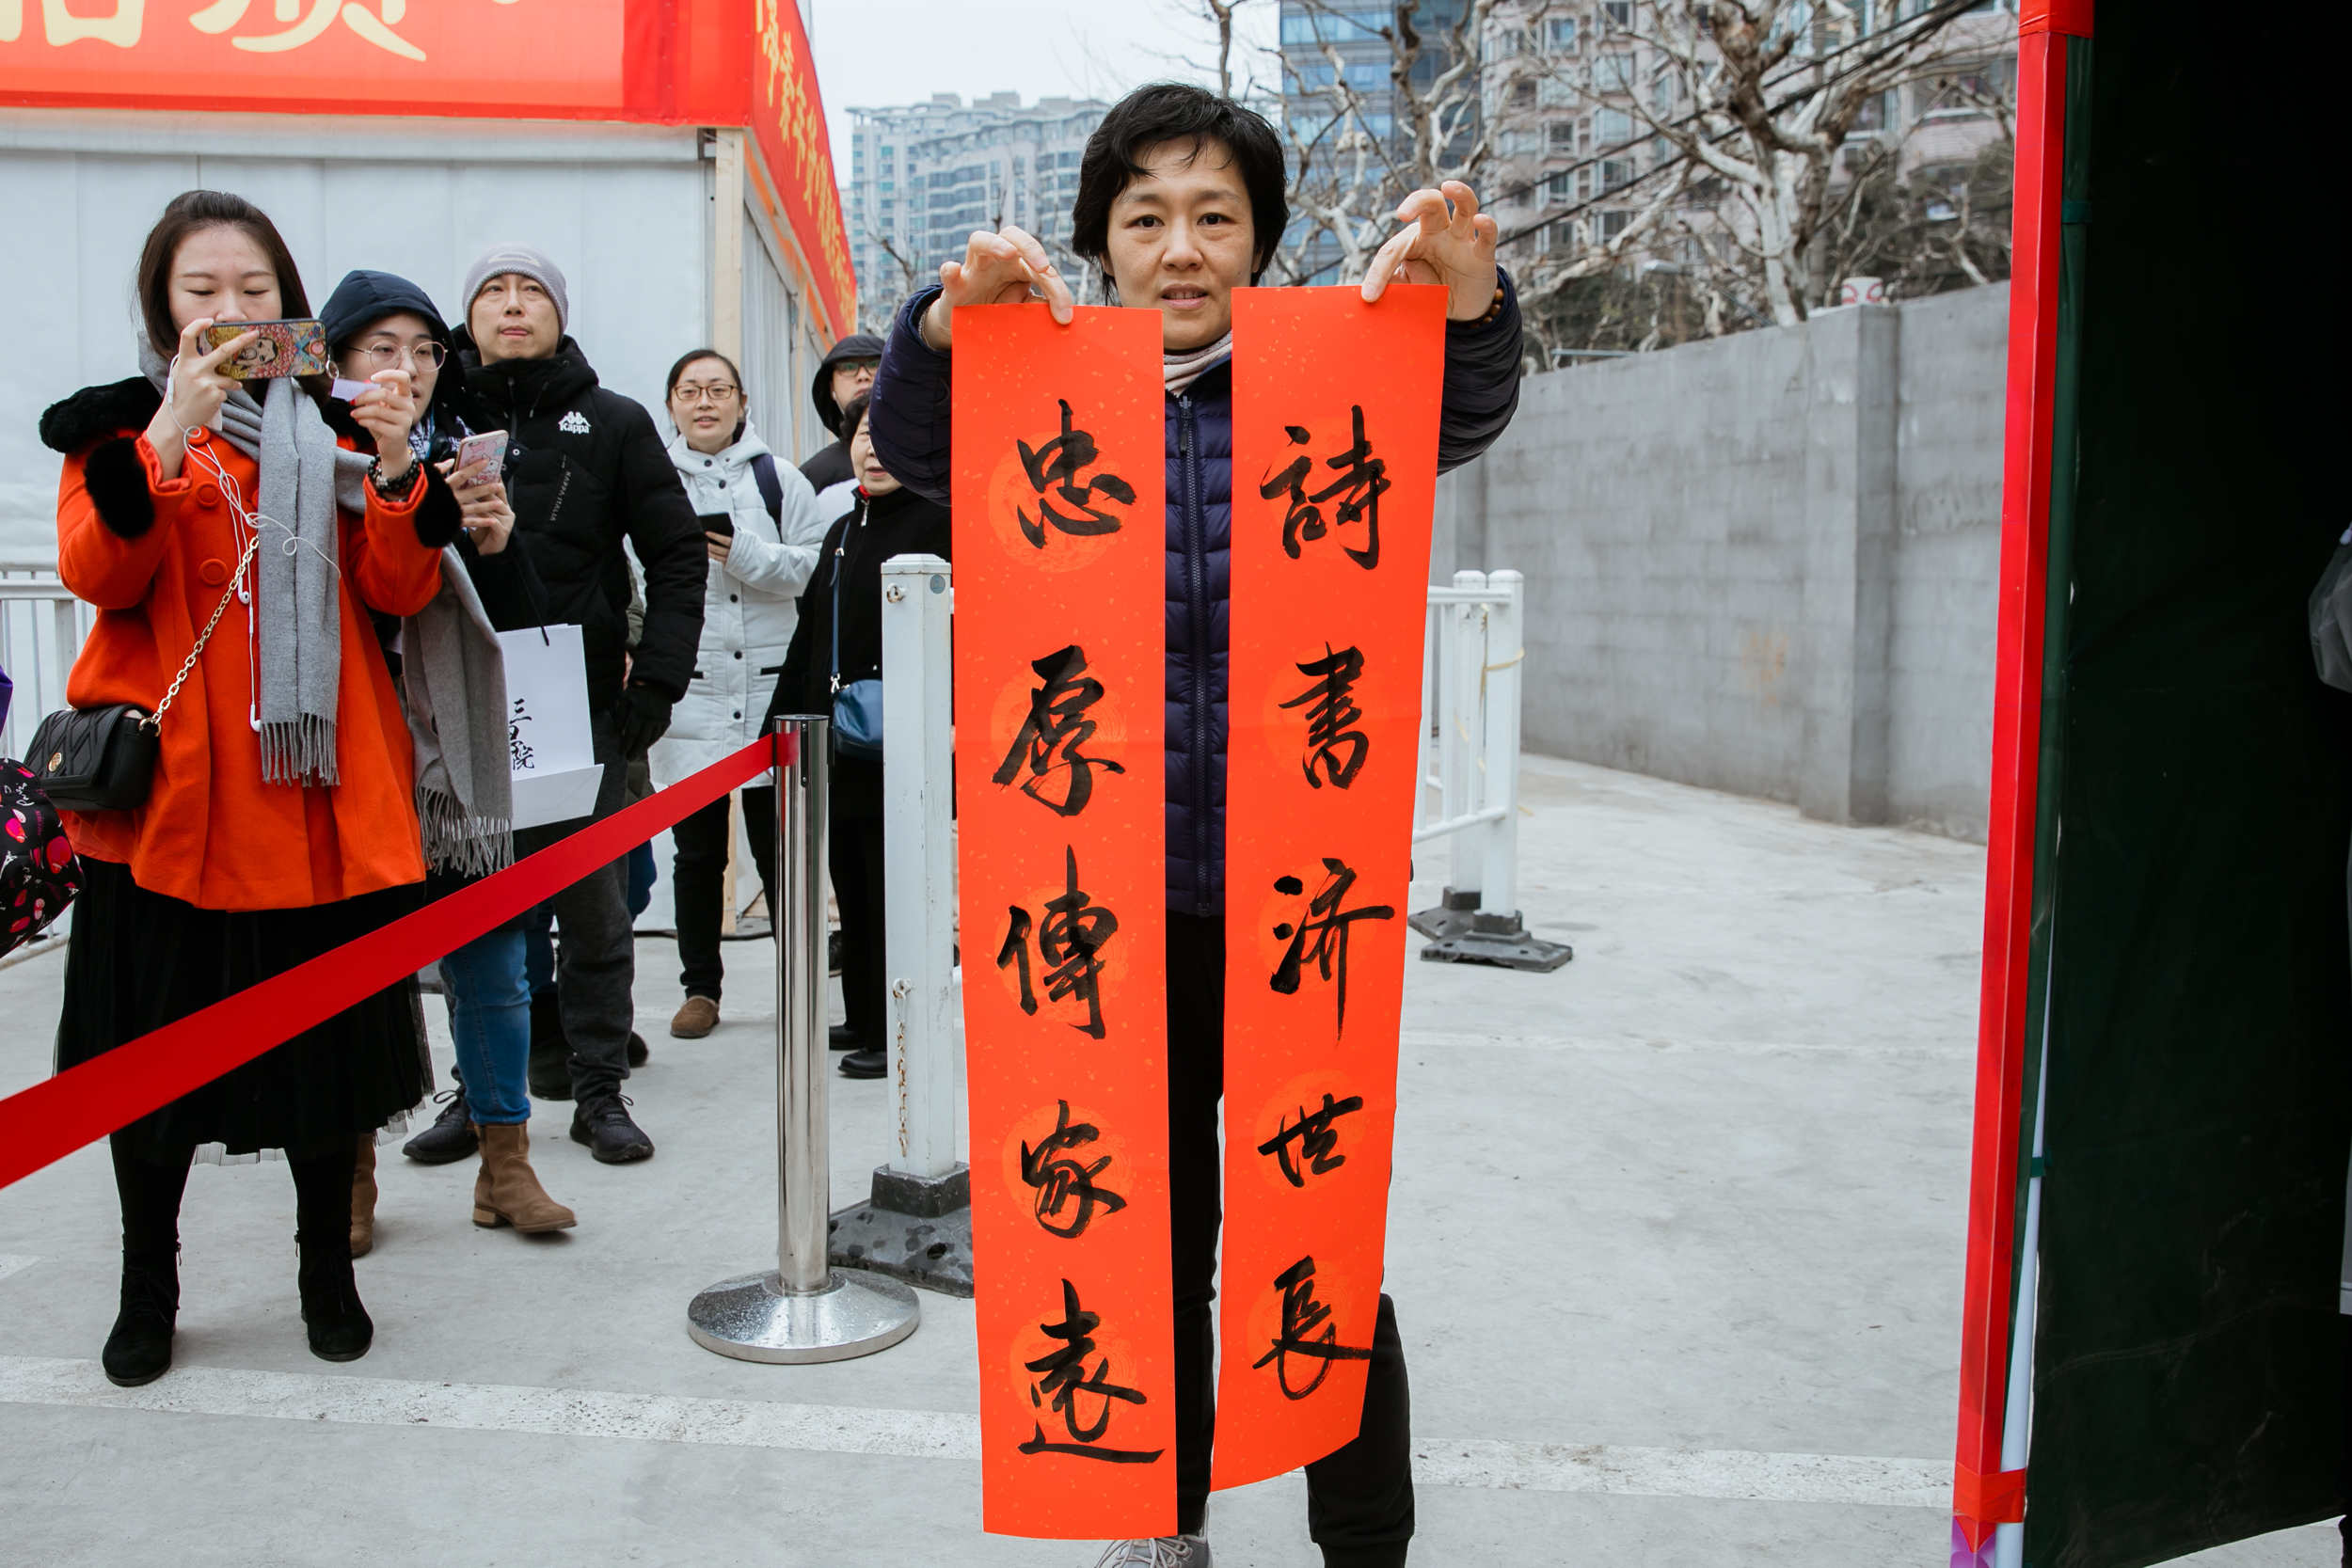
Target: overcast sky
{"type": "Point", "coordinates": [877, 53]}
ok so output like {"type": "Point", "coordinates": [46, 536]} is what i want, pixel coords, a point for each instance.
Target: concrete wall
{"type": "Point", "coordinates": [1764, 563]}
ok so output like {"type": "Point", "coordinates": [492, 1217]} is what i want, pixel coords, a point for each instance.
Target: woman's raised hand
{"type": "Point", "coordinates": [482, 496]}
{"type": "Point", "coordinates": [1450, 242]}
{"type": "Point", "coordinates": [387, 412]}
{"type": "Point", "coordinates": [1003, 268]}
{"type": "Point", "coordinates": [194, 397]}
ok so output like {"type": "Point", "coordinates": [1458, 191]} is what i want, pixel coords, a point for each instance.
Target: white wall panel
{"type": "Point", "coordinates": [626, 220]}
{"type": "Point", "coordinates": [770, 320]}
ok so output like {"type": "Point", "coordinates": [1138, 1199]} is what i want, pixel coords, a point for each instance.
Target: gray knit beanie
{"type": "Point", "coordinates": [532, 263]}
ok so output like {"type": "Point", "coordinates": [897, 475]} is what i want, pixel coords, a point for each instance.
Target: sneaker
{"type": "Point", "coordinates": [450, 1136]}
{"type": "Point", "coordinates": [871, 1062]}
{"type": "Point", "coordinates": [1168, 1551]}
{"type": "Point", "coordinates": [601, 1120]}
{"type": "Point", "coordinates": [697, 1018]}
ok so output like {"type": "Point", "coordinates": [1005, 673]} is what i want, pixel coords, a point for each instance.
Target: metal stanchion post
{"type": "Point", "coordinates": [802, 1310]}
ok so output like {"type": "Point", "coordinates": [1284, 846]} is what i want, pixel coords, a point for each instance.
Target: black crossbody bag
{"type": "Point", "coordinates": [103, 758]}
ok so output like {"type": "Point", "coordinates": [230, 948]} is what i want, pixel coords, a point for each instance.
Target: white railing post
{"type": "Point", "coordinates": [1466, 660]}
{"type": "Point", "coordinates": [1499, 716]}
{"type": "Point", "coordinates": [921, 1195]}
{"type": "Point", "coordinates": [918, 770]}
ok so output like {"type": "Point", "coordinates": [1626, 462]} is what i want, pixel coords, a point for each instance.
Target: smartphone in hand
{"type": "Point", "coordinates": [719, 523]}
{"type": "Point", "coordinates": [489, 445]}
{"type": "Point", "coordinates": [284, 348]}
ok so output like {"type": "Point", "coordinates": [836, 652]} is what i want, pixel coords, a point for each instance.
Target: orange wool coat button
{"type": "Point", "coordinates": [214, 572]}
{"type": "Point", "coordinates": [208, 496]}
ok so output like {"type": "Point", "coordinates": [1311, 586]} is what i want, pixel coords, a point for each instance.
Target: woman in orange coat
{"type": "Point", "coordinates": [282, 823]}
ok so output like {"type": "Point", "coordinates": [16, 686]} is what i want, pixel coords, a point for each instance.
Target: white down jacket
{"type": "Point", "coordinates": [749, 606]}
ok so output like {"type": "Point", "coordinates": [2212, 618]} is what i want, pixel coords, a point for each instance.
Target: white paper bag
{"type": "Point", "coordinates": [554, 759]}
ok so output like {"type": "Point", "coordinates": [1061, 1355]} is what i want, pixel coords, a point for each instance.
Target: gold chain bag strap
{"type": "Point", "coordinates": [103, 758]}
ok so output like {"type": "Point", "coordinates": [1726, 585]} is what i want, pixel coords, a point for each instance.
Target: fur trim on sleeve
{"type": "Point", "coordinates": [95, 413]}
{"type": "Point", "coordinates": [117, 487]}
{"type": "Point", "coordinates": [438, 518]}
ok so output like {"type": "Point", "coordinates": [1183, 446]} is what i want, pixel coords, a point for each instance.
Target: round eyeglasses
{"type": "Point", "coordinates": [424, 356]}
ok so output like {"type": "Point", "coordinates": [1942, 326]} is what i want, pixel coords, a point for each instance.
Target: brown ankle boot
{"type": "Point", "coordinates": [508, 1192]}
{"type": "Point", "coordinates": [363, 1198]}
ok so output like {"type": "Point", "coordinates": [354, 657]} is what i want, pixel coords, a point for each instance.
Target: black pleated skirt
{"type": "Point", "coordinates": [138, 960]}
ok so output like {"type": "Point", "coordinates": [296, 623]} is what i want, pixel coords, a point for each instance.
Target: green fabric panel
{"type": "Point", "coordinates": [2189, 1381]}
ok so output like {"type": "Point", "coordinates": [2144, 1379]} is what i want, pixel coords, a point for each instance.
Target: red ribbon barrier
{"type": "Point", "coordinates": [60, 1115]}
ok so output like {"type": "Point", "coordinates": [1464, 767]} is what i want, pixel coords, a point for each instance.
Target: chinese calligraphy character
{"type": "Point", "coordinates": [1330, 710]}
{"type": "Point", "coordinates": [1301, 1316]}
{"type": "Point", "coordinates": [519, 752]}
{"type": "Point", "coordinates": [1054, 470]}
{"type": "Point", "coordinates": [224, 14]}
{"type": "Point", "coordinates": [1358, 490]}
{"type": "Point", "coordinates": [1328, 923]}
{"type": "Point", "coordinates": [1057, 724]}
{"type": "Point", "coordinates": [1316, 1138]}
{"type": "Point", "coordinates": [1065, 1380]}
{"type": "Point", "coordinates": [1060, 1181]}
{"type": "Point", "coordinates": [1071, 939]}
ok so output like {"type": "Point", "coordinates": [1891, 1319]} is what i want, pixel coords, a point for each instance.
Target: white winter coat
{"type": "Point", "coordinates": [748, 607]}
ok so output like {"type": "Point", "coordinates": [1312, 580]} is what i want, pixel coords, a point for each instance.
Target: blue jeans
{"type": "Point", "coordinates": [489, 1016]}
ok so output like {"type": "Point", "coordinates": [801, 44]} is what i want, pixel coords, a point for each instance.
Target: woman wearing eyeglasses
{"type": "Point", "coordinates": [376, 322]}
{"type": "Point", "coordinates": [761, 528]}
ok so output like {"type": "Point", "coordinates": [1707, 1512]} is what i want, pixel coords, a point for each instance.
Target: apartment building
{"type": "Point", "coordinates": [1567, 91]}
{"type": "Point", "coordinates": [923, 176]}
{"type": "Point", "coordinates": [1572, 88]}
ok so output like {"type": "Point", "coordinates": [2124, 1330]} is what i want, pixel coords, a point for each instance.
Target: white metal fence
{"type": "Point", "coordinates": [42, 627]}
{"type": "Point", "coordinates": [1468, 766]}
{"type": "Point", "coordinates": [1472, 659]}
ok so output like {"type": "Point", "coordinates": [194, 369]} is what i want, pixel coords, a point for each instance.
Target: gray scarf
{"type": "Point", "coordinates": [455, 679]}
{"type": "Point", "coordinates": [297, 618]}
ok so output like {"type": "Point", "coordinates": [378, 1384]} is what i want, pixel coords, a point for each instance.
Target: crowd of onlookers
{"type": "Point", "coordinates": [324, 559]}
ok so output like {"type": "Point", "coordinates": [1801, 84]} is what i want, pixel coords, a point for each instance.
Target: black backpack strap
{"type": "Point", "coordinates": [770, 488]}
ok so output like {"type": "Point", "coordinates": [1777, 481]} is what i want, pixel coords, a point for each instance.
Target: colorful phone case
{"type": "Point", "coordinates": [284, 348]}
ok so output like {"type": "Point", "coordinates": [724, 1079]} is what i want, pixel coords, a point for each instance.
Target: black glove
{"type": "Point", "coordinates": [645, 719]}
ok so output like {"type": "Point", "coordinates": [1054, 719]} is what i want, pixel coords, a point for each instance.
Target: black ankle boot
{"type": "Point", "coordinates": [138, 1349]}
{"type": "Point", "coordinates": [339, 1327]}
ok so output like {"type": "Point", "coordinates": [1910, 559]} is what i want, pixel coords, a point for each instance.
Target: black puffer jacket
{"type": "Point", "coordinates": [585, 469]}
{"type": "Point", "coordinates": [871, 532]}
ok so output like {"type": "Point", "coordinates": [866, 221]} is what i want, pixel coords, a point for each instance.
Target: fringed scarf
{"type": "Point", "coordinates": [298, 616]}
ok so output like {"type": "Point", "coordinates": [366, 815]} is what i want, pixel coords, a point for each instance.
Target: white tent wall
{"type": "Point", "coordinates": [625, 210]}
{"type": "Point", "coordinates": [772, 341]}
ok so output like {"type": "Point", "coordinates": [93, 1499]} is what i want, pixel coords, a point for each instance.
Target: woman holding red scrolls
{"type": "Point", "coordinates": [281, 823]}
{"type": "Point", "coordinates": [1181, 203]}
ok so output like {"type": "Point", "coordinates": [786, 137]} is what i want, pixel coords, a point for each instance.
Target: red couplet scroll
{"type": "Point", "coordinates": [1335, 464]}
{"type": "Point", "coordinates": [1060, 646]}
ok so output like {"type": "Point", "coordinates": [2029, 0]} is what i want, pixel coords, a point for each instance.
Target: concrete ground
{"type": "Point", "coordinates": [1675, 1241]}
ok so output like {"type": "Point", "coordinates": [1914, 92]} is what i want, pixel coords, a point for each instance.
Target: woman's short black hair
{"type": "Point", "coordinates": [1165, 112]}
{"type": "Point", "coordinates": [852, 415]}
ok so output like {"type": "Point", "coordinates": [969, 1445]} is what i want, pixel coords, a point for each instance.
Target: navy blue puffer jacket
{"type": "Point", "coordinates": [908, 420]}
